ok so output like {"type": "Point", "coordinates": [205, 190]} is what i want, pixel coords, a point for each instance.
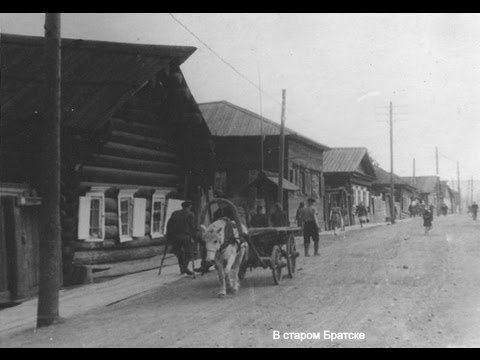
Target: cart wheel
{"type": "Point", "coordinates": [291, 256]}
{"type": "Point", "coordinates": [276, 264]}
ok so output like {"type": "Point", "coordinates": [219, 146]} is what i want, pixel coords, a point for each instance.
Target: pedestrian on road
{"type": "Point", "coordinates": [474, 210]}
{"type": "Point", "coordinates": [427, 220]}
{"type": "Point", "coordinates": [335, 217]}
{"type": "Point", "coordinates": [362, 214]}
{"type": "Point", "coordinates": [311, 228]}
{"type": "Point", "coordinates": [278, 217]}
{"type": "Point", "coordinates": [180, 233]}
{"type": "Point", "coordinates": [300, 216]}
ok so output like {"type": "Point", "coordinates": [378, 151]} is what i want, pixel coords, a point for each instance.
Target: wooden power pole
{"type": "Point", "coordinates": [50, 228]}
{"type": "Point", "coordinates": [458, 189]}
{"type": "Point", "coordinates": [281, 155]}
{"type": "Point", "coordinates": [392, 198]}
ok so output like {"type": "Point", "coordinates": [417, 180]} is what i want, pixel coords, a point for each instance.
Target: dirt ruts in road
{"type": "Point", "coordinates": [392, 283]}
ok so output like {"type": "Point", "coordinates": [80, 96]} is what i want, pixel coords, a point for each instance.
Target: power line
{"type": "Point", "coordinates": [222, 59]}
{"type": "Point", "coordinates": [273, 98]}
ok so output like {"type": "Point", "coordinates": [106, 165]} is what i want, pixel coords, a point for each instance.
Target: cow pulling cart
{"type": "Point", "coordinates": [268, 247]}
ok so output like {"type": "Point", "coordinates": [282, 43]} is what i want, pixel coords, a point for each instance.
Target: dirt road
{"type": "Point", "coordinates": [397, 286]}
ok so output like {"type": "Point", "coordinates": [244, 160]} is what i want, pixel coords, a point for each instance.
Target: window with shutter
{"type": "Point", "coordinates": [158, 212]}
{"type": "Point", "coordinates": [125, 214]}
{"type": "Point", "coordinates": [91, 217]}
{"type": "Point", "coordinates": [139, 213]}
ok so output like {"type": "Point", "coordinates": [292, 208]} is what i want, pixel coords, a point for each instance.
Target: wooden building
{"type": "Point", "coordinates": [237, 134]}
{"type": "Point", "coordinates": [132, 137]}
{"type": "Point", "coordinates": [349, 175]}
{"type": "Point", "coordinates": [404, 192]}
{"type": "Point", "coordinates": [428, 189]}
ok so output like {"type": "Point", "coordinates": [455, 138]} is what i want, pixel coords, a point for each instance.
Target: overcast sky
{"type": "Point", "coordinates": [340, 72]}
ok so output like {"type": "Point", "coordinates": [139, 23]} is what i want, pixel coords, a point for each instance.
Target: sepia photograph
{"type": "Point", "coordinates": [239, 180]}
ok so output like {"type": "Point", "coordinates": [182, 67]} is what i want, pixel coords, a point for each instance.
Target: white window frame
{"type": "Point", "coordinates": [158, 196]}
{"type": "Point", "coordinates": [126, 194]}
{"type": "Point", "coordinates": [83, 230]}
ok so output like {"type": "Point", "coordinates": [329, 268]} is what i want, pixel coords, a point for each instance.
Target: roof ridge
{"type": "Point", "coordinates": [108, 46]}
{"type": "Point", "coordinates": [264, 119]}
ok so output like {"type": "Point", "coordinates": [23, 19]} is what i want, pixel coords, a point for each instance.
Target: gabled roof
{"type": "Point", "coordinates": [348, 160]}
{"type": "Point", "coordinates": [97, 76]}
{"type": "Point", "coordinates": [426, 184]}
{"type": "Point", "coordinates": [226, 119]}
{"type": "Point", "coordinates": [383, 178]}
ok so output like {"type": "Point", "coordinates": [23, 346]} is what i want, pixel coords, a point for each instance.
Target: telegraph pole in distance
{"type": "Point", "coordinates": [458, 189]}
{"type": "Point", "coordinates": [50, 228]}
{"type": "Point", "coordinates": [281, 154]}
{"type": "Point", "coordinates": [392, 198]}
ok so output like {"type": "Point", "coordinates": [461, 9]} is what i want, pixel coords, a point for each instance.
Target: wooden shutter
{"type": "Point", "coordinates": [139, 211]}
{"type": "Point", "coordinates": [83, 218]}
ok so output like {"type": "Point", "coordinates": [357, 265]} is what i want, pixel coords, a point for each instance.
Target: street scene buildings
{"type": "Point", "coordinates": [143, 166]}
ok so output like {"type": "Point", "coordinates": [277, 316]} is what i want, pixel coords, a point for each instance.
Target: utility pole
{"type": "Point", "coordinates": [436, 160]}
{"type": "Point", "coordinates": [262, 137]}
{"type": "Point", "coordinates": [458, 189]}
{"type": "Point", "coordinates": [392, 198]}
{"type": "Point", "coordinates": [281, 154]}
{"type": "Point", "coordinates": [414, 181]}
{"type": "Point", "coordinates": [471, 190]}
{"type": "Point", "coordinates": [50, 228]}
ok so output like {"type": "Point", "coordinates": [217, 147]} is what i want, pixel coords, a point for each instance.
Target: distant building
{"type": "Point", "coordinates": [404, 192]}
{"type": "Point", "coordinates": [349, 175]}
{"type": "Point", "coordinates": [428, 188]}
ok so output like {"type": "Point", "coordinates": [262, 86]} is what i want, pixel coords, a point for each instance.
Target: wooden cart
{"type": "Point", "coordinates": [268, 247]}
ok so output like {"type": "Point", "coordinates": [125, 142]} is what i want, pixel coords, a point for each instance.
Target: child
{"type": "Point", "coordinates": [427, 220]}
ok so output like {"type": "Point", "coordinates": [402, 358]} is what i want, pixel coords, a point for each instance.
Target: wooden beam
{"type": "Point", "coordinates": [135, 152]}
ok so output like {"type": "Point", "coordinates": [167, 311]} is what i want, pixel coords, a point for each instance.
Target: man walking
{"type": "Point", "coordinates": [474, 210]}
{"type": "Point", "coordinates": [362, 214]}
{"type": "Point", "coordinates": [180, 233]}
{"type": "Point", "coordinates": [311, 228]}
{"type": "Point", "coordinates": [427, 220]}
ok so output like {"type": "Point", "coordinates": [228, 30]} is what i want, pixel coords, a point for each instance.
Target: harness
{"type": "Point", "coordinates": [229, 236]}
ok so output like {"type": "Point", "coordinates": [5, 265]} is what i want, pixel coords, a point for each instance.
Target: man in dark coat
{"type": "Point", "coordinates": [474, 210]}
{"type": "Point", "coordinates": [427, 220]}
{"type": "Point", "coordinates": [180, 233]}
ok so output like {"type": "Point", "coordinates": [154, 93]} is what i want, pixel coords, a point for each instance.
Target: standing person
{"type": "Point", "coordinates": [361, 213]}
{"type": "Point", "coordinates": [474, 210]}
{"type": "Point", "coordinates": [180, 233]}
{"type": "Point", "coordinates": [259, 219]}
{"type": "Point", "coordinates": [299, 216]}
{"type": "Point", "coordinates": [427, 220]}
{"type": "Point", "coordinates": [278, 217]}
{"type": "Point", "coordinates": [344, 214]}
{"type": "Point", "coordinates": [311, 228]}
{"type": "Point", "coordinates": [335, 217]}
{"type": "Point", "coordinates": [410, 210]}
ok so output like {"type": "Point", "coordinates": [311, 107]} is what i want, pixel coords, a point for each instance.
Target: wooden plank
{"type": "Point", "coordinates": [142, 141]}
{"type": "Point", "coordinates": [135, 152]}
{"type": "Point", "coordinates": [159, 130]}
{"type": "Point", "coordinates": [111, 175]}
{"type": "Point", "coordinates": [108, 161]}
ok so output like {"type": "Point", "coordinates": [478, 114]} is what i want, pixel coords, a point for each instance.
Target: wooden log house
{"type": "Point", "coordinates": [237, 135]}
{"type": "Point", "coordinates": [132, 137]}
{"type": "Point", "coordinates": [349, 174]}
{"type": "Point", "coordinates": [404, 193]}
